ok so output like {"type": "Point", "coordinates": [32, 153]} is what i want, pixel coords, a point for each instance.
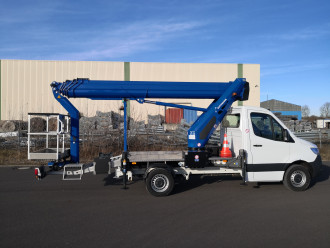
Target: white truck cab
{"type": "Point", "coordinates": [273, 152]}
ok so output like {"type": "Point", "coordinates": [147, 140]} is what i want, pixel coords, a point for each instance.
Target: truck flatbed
{"type": "Point", "coordinates": [156, 156]}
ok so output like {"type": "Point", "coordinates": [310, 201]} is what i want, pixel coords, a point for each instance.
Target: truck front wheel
{"type": "Point", "coordinates": [160, 182]}
{"type": "Point", "coordinates": [297, 178]}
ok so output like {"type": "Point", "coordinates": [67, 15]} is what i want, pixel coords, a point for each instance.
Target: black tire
{"type": "Point", "coordinates": [160, 182]}
{"type": "Point", "coordinates": [297, 178]}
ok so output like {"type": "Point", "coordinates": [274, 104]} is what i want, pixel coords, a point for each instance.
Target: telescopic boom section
{"type": "Point", "coordinates": [102, 90]}
{"type": "Point", "coordinates": [224, 94]}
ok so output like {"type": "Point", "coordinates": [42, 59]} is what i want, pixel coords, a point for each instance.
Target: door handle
{"type": "Point", "coordinates": [257, 145]}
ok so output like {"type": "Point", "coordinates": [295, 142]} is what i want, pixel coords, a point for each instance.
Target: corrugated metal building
{"type": "Point", "coordinates": [25, 84]}
{"type": "Point", "coordinates": [284, 108]}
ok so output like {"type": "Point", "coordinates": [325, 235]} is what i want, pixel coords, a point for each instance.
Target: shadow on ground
{"type": "Point", "coordinates": [196, 181]}
{"type": "Point", "coordinates": [323, 175]}
{"type": "Point", "coordinates": [111, 181]}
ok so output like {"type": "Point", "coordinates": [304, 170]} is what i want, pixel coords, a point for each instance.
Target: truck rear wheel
{"type": "Point", "coordinates": [297, 178]}
{"type": "Point", "coordinates": [160, 182]}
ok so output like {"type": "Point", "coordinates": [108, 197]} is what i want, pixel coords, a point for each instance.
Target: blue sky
{"type": "Point", "coordinates": [289, 39]}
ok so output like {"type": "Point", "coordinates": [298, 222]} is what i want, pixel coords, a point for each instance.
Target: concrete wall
{"type": "Point", "coordinates": [25, 84]}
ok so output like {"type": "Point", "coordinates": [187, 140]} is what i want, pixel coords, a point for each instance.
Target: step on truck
{"type": "Point", "coordinates": [263, 148]}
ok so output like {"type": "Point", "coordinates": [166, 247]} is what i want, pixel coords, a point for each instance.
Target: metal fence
{"type": "Point", "coordinates": [316, 136]}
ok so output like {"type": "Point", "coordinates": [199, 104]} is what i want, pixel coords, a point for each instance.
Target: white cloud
{"type": "Point", "coordinates": [291, 68]}
{"type": "Point", "coordinates": [302, 34]}
{"type": "Point", "coordinates": [132, 38]}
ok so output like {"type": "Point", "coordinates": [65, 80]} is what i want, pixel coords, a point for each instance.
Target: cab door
{"type": "Point", "coordinates": [270, 152]}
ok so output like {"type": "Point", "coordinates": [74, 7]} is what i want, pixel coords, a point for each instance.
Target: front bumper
{"type": "Point", "coordinates": [316, 166]}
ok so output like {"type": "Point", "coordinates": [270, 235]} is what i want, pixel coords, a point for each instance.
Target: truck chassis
{"type": "Point", "coordinates": [159, 169]}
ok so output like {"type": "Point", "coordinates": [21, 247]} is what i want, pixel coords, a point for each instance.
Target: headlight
{"type": "Point", "coordinates": [315, 150]}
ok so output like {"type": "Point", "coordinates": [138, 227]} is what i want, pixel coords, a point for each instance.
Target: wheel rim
{"type": "Point", "coordinates": [298, 178]}
{"type": "Point", "coordinates": [159, 183]}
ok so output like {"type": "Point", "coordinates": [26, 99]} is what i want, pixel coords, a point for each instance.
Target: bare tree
{"type": "Point", "coordinates": [305, 111]}
{"type": "Point", "coordinates": [325, 110]}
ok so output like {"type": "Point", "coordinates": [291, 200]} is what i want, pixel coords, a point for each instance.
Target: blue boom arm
{"type": "Point", "coordinates": [202, 129]}
{"type": "Point", "coordinates": [74, 114]}
{"type": "Point", "coordinates": [113, 90]}
{"type": "Point", "coordinates": [224, 94]}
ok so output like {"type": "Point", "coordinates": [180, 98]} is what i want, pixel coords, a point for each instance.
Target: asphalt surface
{"type": "Point", "coordinates": [208, 212]}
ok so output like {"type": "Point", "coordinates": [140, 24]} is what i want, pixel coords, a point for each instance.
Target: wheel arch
{"type": "Point", "coordinates": [300, 162]}
{"type": "Point", "coordinates": [158, 166]}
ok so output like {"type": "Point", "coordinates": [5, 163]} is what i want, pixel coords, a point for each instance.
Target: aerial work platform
{"type": "Point", "coordinates": [47, 139]}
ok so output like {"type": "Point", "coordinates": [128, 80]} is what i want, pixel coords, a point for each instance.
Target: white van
{"type": "Point", "coordinates": [273, 152]}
